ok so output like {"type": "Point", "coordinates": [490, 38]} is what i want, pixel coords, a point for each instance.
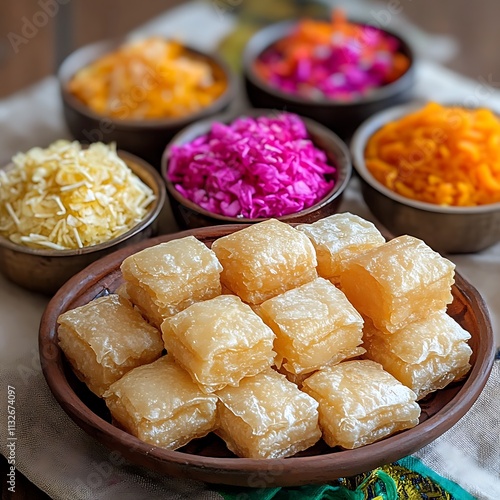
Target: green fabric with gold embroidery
{"type": "Point", "coordinates": [407, 479]}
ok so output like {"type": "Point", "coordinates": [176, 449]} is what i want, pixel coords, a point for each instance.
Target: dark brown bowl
{"type": "Point", "coordinates": [208, 459]}
{"type": "Point", "coordinates": [145, 138]}
{"type": "Point", "coordinates": [189, 215]}
{"type": "Point", "coordinates": [341, 117]}
{"type": "Point", "coordinates": [446, 229]}
{"type": "Point", "coordinates": [45, 270]}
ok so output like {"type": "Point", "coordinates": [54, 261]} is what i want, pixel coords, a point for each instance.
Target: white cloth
{"type": "Point", "coordinates": [469, 453]}
{"type": "Point", "coordinates": [66, 463]}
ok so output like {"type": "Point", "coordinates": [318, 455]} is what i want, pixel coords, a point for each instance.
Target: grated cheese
{"type": "Point", "coordinates": [66, 197]}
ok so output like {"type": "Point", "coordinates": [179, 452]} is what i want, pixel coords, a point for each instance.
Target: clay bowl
{"type": "Point", "coordinates": [447, 229]}
{"type": "Point", "coordinates": [145, 138]}
{"type": "Point", "coordinates": [208, 459]}
{"type": "Point", "coordinates": [45, 270]}
{"type": "Point", "coordinates": [341, 117]}
{"type": "Point", "coordinates": [190, 215]}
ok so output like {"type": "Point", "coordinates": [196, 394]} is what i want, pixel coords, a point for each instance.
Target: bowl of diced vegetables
{"type": "Point", "coordinates": [337, 72]}
{"type": "Point", "coordinates": [68, 205]}
{"type": "Point", "coordinates": [258, 165]}
{"type": "Point", "coordinates": [139, 93]}
{"type": "Point", "coordinates": [433, 171]}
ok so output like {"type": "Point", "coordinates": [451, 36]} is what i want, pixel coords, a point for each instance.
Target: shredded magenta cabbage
{"type": "Point", "coordinates": [252, 168]}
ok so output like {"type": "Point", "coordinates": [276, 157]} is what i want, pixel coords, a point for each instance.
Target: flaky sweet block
{"type": "Point", "coordinates": [425, 355]}
{"type": "Point", "coordinates": [160, 404]}
{"type": "Point", "coordinates": [165, 279]}
{"type": "Point", "coordinates": [106, 338]}
{"type": "Point", "coordinates": [338, 238]}
{"type": "Point", "coordinates": [398, 282]}
{"type": "Point", "coordinates": [267, 416]}
{"type": "Point", "coordinates": [219, 341]}
{"type": "Point", "coordinates": [360, 403]}
{"type": "Point", "coordinates": [265, 260]}
{"type": "Point", "coordinates": [314, 325]}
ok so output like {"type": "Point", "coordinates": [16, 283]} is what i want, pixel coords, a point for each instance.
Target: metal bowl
{"type": "Point", "coordinates": [341, 117]}
{"type": "Point", "coordinates": [189, 215]}
{"type": "Point", "coordinates": [45, 270]}
{"type": "Point", "coordinates": [145, 138]}
{"type": "Point", "coordinates": [446, 229]}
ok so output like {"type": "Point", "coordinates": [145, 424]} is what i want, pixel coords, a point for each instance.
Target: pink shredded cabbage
{"type": "Point", "coordinates": [253, 168]}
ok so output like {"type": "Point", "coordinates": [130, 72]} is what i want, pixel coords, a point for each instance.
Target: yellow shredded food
{"type": "Point", "coordinates": [441, 155]}
{"type": "Point", "coordinates": [148, 79]}
{"type": "Point", "coordinates": [67, 197]}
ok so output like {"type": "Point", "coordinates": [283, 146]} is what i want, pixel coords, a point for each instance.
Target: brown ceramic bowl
{"type": "Point", "coordinates": [189, 215]}
{"type": "Point", "coordinates": [45, 270]}
{"type": "Point", "coordinates": [145, 138]}
{"type": "Point", "coordinates": [446, 229]}
{"type": "Point", "coordinates": [208, 459]}
{"type": "Point", "coordinates": [341, 117]}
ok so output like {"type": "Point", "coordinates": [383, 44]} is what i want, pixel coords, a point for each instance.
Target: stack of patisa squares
{"type": "Point", "coordinates": [275, 337]}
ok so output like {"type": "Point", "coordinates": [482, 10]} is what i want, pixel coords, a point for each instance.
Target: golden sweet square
{"type": "Point", "coordinates": [337, 238]}
{"type": "Point", "coordinates": [314, 325]}
{"type": "Point", "coordinates": [398, 282]}
{"type": "Point", "coordinates": [219, 341]}
{"type": "Point", "coordinates": [264, 260]}
{"type": "Point", "coordinates": [267, 416]}
{"type": "Point", "coordinates": [166, 278]}
{"type": "Point", "coordinates": [106, 338]}
{"type": "Point", "coordinates": [425, 355]}
{"type": "Point", "coordinates": [360, 403]}
{"type": "Point", "coordinates": [160, 404]}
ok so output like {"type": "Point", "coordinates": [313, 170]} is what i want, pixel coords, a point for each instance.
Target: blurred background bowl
{"type": "Point", "coordinates": [341, 117]}
{"type": "Point", "coordinates": [145, 138]}
{"type": "Point", "coordinates": [189, 215]}
{"type": "Point", "coordinates": [447, 229]}
{"type": "Point", "coordinates": [45, 270]}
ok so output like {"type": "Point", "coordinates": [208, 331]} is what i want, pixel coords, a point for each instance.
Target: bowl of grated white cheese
{"type": "Point", "coordinates": [67, 205]}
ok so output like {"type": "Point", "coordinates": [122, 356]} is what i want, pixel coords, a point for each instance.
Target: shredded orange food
{"type": "Point", "coordinates": [441, 155]}
{"type": "Point", "coordinates": [149, 79]}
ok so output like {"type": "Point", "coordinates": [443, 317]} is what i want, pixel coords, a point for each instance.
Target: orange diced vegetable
{"type": "Point", "coordinates": [441, 155]}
